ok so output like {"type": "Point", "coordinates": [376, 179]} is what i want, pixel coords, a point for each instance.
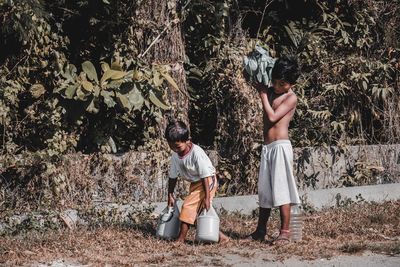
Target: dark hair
{"type": "Point", "coordinates": [177, 131]}
{"type": "Point", "coordinates": [287, 69]}
{"type": "Point", "coordinates": [246, 76]}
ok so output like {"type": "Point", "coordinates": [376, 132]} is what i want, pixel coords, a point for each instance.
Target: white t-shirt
{"type": "Point", "coordinates": [193, 166]}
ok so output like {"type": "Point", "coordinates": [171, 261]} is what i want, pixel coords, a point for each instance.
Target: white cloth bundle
{"type": "Point", "coordinates": [259, 65]}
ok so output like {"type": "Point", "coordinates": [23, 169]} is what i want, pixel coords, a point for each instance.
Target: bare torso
{"type": "Point", "coordinates": [280, 129]}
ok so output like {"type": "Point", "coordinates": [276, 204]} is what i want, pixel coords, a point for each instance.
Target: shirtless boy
{"type": "Point", "coordinates": [276, 183]}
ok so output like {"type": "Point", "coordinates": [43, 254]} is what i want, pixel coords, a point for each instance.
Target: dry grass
{"type": "Point", "coordinates": [351, 229]}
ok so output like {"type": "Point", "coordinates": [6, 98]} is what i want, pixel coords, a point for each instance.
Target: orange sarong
{"type": "Point", "coordinates": [194, 202]}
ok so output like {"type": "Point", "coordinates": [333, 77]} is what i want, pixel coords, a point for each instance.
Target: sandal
{"type": "Point", "coordinates": [282, 238]}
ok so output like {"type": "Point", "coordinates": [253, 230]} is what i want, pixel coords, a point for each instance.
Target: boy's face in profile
{"type": "Point", "coordinates": [178, 147]}
{"type": "Point", "coordinates": [281, 86]}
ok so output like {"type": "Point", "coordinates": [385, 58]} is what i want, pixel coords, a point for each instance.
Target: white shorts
{"type": "Point", "coordinates": [276, 183]}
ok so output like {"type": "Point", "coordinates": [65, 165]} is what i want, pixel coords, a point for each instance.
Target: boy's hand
{"type": "Point", "coordinates": [171, 200]}
{"type": "Point", "coordinates": [171, 188]}
{"type": "Point", "coordinates": [263, 90]}
{"type": "Point", "coordinates": [206, 186]}
{"type": "Point", "coordinates": [207, 203]}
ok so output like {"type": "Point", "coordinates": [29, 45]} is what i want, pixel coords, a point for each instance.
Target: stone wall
{"type": "Point", "coordinates": [139, 176]}
{"type": "Point", "coordinates": [142, 177]}
{"type": "Point", "coordinates": [319, 167]}
{"type": "Point", "coordinates": [126, 178]}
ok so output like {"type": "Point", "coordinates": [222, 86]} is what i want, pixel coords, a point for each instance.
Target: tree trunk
{"type": "Point", "coordinates": [158, 17]}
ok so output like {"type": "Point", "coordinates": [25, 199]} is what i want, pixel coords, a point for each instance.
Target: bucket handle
{"type": "Point", "coordinates": [169, 218]}
{"type": "Point", "coordinates": [171, 211]}
{"type": "Point", "coordinates": [205, 211]}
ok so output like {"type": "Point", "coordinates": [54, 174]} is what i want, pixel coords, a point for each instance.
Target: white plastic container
{"type": "Point", "coordinates": [296, 223]}
{"type": "Point", "coordinates": [168, 223]}
{"type": "Point", "coordinates": [208, 226]}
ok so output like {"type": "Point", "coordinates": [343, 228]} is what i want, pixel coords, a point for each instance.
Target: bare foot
{"type": "Point", "coordinates": [223, 239]}
{"type": "Point", "coordinates": [177, 243]}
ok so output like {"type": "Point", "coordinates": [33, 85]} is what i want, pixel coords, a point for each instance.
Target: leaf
{"type": "Point", "coordinates": [96, 91]}
{"type": "Point", "coordinates": [195, 71]}
{"type": "Point", "coordinates": [108, 98]}
{"type": "Point", "coordinates": [170, 80]}
{"type": "Point", "coordinates": [325, 29]}
{"type": "Point", "coordinates": [381, 92]}
{"type": "Point", "coordinates": [80, 94]}
{"type": "Point", "coordinates": [92, 107]}
{"type": "Point", "coordinates": [156, 101]}
{"type": "Point", "coordinates": [118, 75]}
{"type": "Point", "coordinates": [105, 66]}
{"type": "Point", "coordinates": [112, 74]}
{"type": "Point", "coordinates": [37, 90]}
{"type": "Point", "coordinates": [136, 99]}
{"type": "Point", "coordinates": [70, 91]}
{"type": "Point", "coordinates": [365, 85]}
{"type": "Point", "coordinates": [70, 72]}
{"type": "Point", "coordinates": [137, 75]}
{"type": "Point", "coordinates": [291, 35]}
{"type": "Point", "coordinates": [227, 175]}
{"type": "Point", "coordinates": [88, 86]}
{"type": "Point", "coordinates": [156, 79]}
{"type": "Point", "coordinates": [116, 66]}
{"type": "Point", "coordinates": [90, 70]}
{"type": "Point", "coordinates": [320, 114]}
{"type": "Point", "coordinates": [58, 89]}
{"type": "Point", "coordinates": [112, 145]}
{"type": "Point", "coordinates": [107, 75]}
{"type": "Point", "coordinates": [124, 102]}
{"type": "Point", "coordinates": [113, 84]}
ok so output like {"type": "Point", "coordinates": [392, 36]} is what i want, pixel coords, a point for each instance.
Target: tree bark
{"type": "Point", "coordinates": [160, 17]}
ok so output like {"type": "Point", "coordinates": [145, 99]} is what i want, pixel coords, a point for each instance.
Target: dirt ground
{"type": "Point", "coordinates": [365, 234]}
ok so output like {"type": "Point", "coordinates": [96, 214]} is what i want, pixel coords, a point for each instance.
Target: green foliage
{"type": "Point", "coordinates": [66, 87]}
{"type": "Point", "coordinates": [45, 99]}
{"type": "Point", "coordinates": [71, 78]}
{"type": "Point", "coordinates": [331, 83]}
{"type": "Point", "coordinates": [206, 26]}
{"type": "Point", "coordinates": [348, 92]}
{"type": "Point", "coordinates": [125, 89]}
{"type": "Point", "coordinates": [349, 69]}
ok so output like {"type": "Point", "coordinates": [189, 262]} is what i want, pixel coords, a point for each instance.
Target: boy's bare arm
{"type": "Point", "coordinates": [206, 186]}
{"type": "Point", "coordinates": [286, 106]}
{"type": "Point", "coordinates": [171, 189]}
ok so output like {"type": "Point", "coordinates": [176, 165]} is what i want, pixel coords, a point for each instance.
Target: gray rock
{"type": "Point", "coordinates": [70, 218]}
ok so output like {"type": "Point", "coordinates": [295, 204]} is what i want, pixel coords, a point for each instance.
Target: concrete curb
{"type": "Point", "coordinates": [316, 199]}
{"type": "Point", "coordinates": [116, 213]}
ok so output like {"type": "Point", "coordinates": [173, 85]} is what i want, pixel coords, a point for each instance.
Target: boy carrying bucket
{"type": "Point", "coordinates": [189, 161]}
{"type": "Point", "coordinates": [276, 183]}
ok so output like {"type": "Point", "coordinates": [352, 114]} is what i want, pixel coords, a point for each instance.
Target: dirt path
{"type": "Point", "coordinates": [359, 235]}
{"type": "Point", "coordinates": [367, 259]}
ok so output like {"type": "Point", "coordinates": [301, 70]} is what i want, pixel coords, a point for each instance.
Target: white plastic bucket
{"type": "Point", "coordinates": [168, 223]}
{"type": "Point", "coordinates": [207, 226]}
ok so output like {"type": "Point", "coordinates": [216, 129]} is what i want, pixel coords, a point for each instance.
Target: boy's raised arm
{"type": "Point", "coordinates": [171, 189]}
{"type": "Point", "coordinates": [275, 115]}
